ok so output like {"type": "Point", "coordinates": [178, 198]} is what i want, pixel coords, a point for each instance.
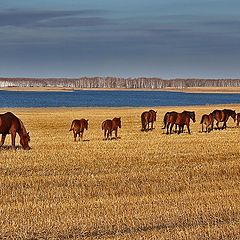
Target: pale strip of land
{"type": "Point", "coordinates": [221, 90]}
{"type": "Point", "coordinates": [145, 185]}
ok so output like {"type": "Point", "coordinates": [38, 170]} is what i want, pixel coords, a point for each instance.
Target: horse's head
{"type": "Point", "coordinates": [118, 122]}
{"type": "Point", "coordinates": [154, 116]}
{"type": "Point", "coordinates": [233, 115]}
{"type": "Point", "coordinates": [86, 126]}
{"type": "Point", "coordinates": [24, 140]}
{"type": "Point", "coordinates": [192, 116]}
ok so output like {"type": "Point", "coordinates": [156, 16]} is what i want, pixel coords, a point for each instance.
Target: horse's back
{"type": "Point", "coordinates": [79, 124]}
{"type": "Point", "coordinates": [152, 115]}
{"type": "Point", "coordinates": [107, 124]}
{"type": "Point", "coordinates": [7, 121]}
{"type": "Point", "coordinates": [217, 114]}
{"type": "Point", "coordinates": [172, 117]}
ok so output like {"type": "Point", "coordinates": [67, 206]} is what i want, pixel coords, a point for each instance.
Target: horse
{"type": "Point", "coordinates": [180, 119]}
{"type": "Point", "coordinates": [207, 119]}
{"type": "Point", "coordinates": [223, 116]}
{"type": "Point", "coordinates": [147, 118]}
{"type": "Point", "coordinates": [238, 119]}
{"type": "Point", "coordinates": [109, 126]}
{"type": "Point", "coordinates": [165, 120]}
{"type": "Point", "coordinates": [10, 124]}
{"type": "Point", "coordinates": [78, 127]}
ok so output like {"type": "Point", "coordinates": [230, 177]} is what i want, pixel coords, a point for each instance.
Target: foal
{"type": "Point", "coordinates": [208, 121]}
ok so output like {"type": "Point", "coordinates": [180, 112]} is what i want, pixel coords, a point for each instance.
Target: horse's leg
{"type": "Point", "coordinates": [75, 136]}
{"type": "Point", "coordinates": [179, 129]}
{"type": "Point", "coordinates": [3, 139]}
{"type": "Point", "coordinates": [13, 136]}
{"type": "Point", "coordinates": [224, 125]}
{"type": "Point", "coordinates": [105, 134]}
{"type": "Point", "coordinates": [171, 128]}
{"type": "Point", "coordinates": [202, 127]}
{"type": "Point", "coordinates": [188, 128]}
{"type": "Point", "coordinates": [167, 127]}
{"type": "Point", "coordinates": [218, 125]}
{"type": "Point", "coordinates": [116, 133]}
{"type": "Point", "coordinates": [175, 128]}
{"type": "Point", "coordinates": [80, 135]}
{"type": "Point", "coordinates": [182, 128]}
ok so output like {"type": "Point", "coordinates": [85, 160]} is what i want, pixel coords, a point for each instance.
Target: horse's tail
{"type": "Point", "coordinates": [202, 120]}
{"type": "Point", "coordinates": [143, 120]}
{"type": "Point", "coordinates": [103, 125]}
{"type": "Point", "coordinates": [165, 120]}
{"type": "Point", "coordinates": [71, 128]}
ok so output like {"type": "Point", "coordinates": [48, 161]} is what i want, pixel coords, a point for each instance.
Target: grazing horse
{"type": "Point", "coordinates": [208, 121]}
{"type": "Point", "coordinates": [147, 118]}
{"type": "Point", "coordinates": [223, 116]}
{"type": "Point", "coordinates": [78, 127]}
{"type": "Point", "coordinates": [109, 126]}
{"type": "Point", "coordinates": [180, 119]}
{"type": "Point", "coordinates": [238, 119]}
{"type": "Point", "coordinates": [10, 124]}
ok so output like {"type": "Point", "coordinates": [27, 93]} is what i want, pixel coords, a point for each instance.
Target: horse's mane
{"type": "Point", "coordinates": [22, 127]}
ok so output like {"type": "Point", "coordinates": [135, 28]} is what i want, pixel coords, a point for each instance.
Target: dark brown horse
{"type": "Point", "coordinates": [238, 119]}
{"type": "Point", "coordinates": [207, 119]}
{"type": "Point", "coordinates": [165, 118]}
{"type": "Point", "coordinates": [147, 118]}
{"type": "Point", "coordinates": [10, 124]}
{"type": "Point", "coordinates": [109, 126]}
{"type": "Point", "coordinates": [78, 127]}
{"type": "Point", "coordinates": [180, 119]}
{"type": "Point", "coordinates": [223, 116]}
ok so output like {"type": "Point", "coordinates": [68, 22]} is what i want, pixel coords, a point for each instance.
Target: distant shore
{"type": "Point", "coordinates": [231, 90]}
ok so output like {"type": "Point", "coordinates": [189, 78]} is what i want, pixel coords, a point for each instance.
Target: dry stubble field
{"type": "Point", "coordinates": [146, 185]}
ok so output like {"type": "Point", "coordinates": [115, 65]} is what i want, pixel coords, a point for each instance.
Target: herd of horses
{"type": "Point", "coordinates": [11, 124]}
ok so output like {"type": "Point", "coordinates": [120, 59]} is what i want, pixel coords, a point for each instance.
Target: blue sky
{"type": "Point", "coordinates": [73, 38]}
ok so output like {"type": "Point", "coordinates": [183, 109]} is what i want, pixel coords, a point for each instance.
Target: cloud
{"type": "Point", "coordinates": [53, 18]}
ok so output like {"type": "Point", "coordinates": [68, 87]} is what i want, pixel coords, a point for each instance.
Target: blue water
{"type": "Point", "coordinates": [91, 98]}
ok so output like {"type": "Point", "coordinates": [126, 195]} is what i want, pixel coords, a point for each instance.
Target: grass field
{"type": "Point", "coordinates": [146, 185]}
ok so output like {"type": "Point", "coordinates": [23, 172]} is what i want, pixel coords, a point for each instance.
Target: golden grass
{"type": "Point", "coordinates": [146, 185]}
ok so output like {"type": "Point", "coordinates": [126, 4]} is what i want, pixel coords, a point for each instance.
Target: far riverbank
{"type": "Point", "coordinates": [220, 90]}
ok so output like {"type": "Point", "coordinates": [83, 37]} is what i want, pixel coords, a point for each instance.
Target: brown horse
{"type": "Point", "coordinates": [180, 119]}
{"type": "Point", "coordinates": [109, 126]}
{"type": "Point", "coordinates": [223, 116]}
{"type": "Point", "coordinates": [208, 121]}
{"type": "Point", "coordinates": [147, 118]}
{"type": "Point", "coordinates": [78, 127]}
{"type": "Point", "coordinates": [165, 118]}
{"type": "Point", "coordinates": [10, 124]}
{"type": "Point", "coordinates": [238, 119]}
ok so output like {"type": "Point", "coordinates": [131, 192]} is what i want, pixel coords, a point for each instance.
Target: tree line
{"type": "Point", "coordinates": [116, 82]}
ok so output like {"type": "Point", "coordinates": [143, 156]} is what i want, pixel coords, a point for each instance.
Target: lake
{"type": "Point", "coordinates": [93, 98]}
